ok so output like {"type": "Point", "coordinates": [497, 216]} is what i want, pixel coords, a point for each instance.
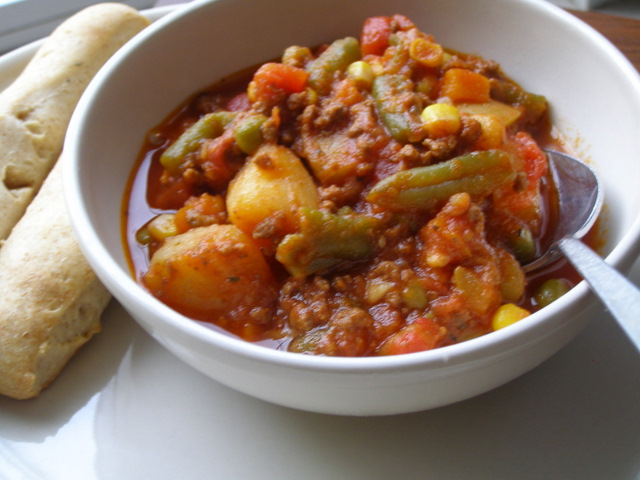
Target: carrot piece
{"type": "Point", "coordinates": [423, 334]}
{"type": "Point", "coordinates": [374, 39]}
{"type": "Point", "coordinates": [427, 53]}
{"type": "Point", "coordinates": [462, 85]}
{"type": "Point", "coordinates": [272, 79]}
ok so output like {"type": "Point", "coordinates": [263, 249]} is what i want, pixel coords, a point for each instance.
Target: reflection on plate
{"type": "Point", "coordinates": [126, 408]}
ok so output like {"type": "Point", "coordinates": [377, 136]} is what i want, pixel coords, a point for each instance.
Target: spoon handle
{"type": "Point", "coordinates": [619, 295]}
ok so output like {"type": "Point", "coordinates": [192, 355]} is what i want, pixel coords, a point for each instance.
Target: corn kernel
{"type": "Point", "coordinates": [296, 56]}
{"type": "Point", "coordinates": [251, 91]}
{"type": "Point", "coordinates": [441, 119]}
{"type": "Point", "coordinates": [312, 96]}
{"type": "Point", "coordinates": [361, 74]}
{"type": "Point", "coordinates": [506, 315]}
{"type": "Point", "coordinates": [376, 65]}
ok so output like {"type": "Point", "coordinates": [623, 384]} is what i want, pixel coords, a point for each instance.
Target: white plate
{"type": "Point", "coordinates": [125, 408]}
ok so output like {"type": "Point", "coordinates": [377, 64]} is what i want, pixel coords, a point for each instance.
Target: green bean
{"type": "Point", "coordinates": [390, 99]}
{"type": "Point", "coordinates": [247, 134]}
{"type": "Point", "coordinates": [550, 291]}
{"type": "Point", "coordinates": [535, 105]}
{"type": "Point", "coordinates": [400, 56]}
{"type": "Point", "coordinates": [208, 126]}
{"type": "Point", "coordinates": [337, 57]}
{"type": "Point", "coordinates": [424, 188]}
{"type": "Point", "coordinates": [325, 240]}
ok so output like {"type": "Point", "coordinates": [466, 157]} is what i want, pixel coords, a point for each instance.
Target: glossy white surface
{"type": "Point", "coordinates": [121, 104]}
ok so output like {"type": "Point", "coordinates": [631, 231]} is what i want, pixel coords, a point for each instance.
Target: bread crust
{"type": "Point", "coordinates": [36, 108]}
{"type": "Point", "coordinates": [50, 299]}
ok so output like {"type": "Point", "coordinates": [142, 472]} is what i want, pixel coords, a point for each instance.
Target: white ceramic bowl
{"type": "Point", "coordinates": [595, 96]}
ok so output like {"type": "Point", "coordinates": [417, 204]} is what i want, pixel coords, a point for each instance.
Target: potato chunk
{"type": "Point", "coordinates": [273, 184]}
{"type": "Point", "coordinates": [214, 273]}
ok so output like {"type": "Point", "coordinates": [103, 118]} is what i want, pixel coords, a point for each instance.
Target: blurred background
{"type": "Point", "coordinates": [22, 21]}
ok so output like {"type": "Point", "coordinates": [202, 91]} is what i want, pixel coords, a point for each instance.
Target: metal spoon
{"type": "Point", "coordinates": [580, 200]}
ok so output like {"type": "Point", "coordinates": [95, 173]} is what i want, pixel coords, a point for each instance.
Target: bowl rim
{"type": "Point", "coordinates": [124, 287]}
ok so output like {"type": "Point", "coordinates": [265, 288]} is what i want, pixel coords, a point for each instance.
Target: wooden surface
{"type": "Point", "coordinates": [623, 32]}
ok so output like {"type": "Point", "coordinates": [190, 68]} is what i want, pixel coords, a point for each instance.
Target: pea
{"type": "Point", "coordinates": [550, 291]}
{"type": "Point", "coordinates": [247, 135]}
{"type": "Point", "coordinates": [143, 237]}
{"type": "Point", "coordinates": [523, 245]}
{"type": "Point", "coordinates": [415, 296]}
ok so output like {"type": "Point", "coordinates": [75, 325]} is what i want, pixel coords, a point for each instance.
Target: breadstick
{"type": "Point", "coordinates": [51, 300]}
{"type": "Point", "coordinates": [35, 109]}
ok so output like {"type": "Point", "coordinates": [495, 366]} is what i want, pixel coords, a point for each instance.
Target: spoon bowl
{"type": "Point", "coordinates": [580, 199]}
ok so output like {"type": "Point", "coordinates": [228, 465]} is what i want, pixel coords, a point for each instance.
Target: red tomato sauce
{"type": "Point", "coordinates": [373, 196]}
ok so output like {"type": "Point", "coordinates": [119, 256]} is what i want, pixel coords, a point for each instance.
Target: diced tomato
{"type": "Point", "coordinates": [375, 35]}
{"type": "Point", "coordinates": [215, 157]}
{"type": "Point", "coordinates": [525, 204]}
{"type": "Point", "coordinates": [273, 79]}
{"type": "Point", "coordinates": [535, 161]}
{"type": "Point", "coordinates": [423, 334]}
{"type": "Point", "coordinates": [166, 192]}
